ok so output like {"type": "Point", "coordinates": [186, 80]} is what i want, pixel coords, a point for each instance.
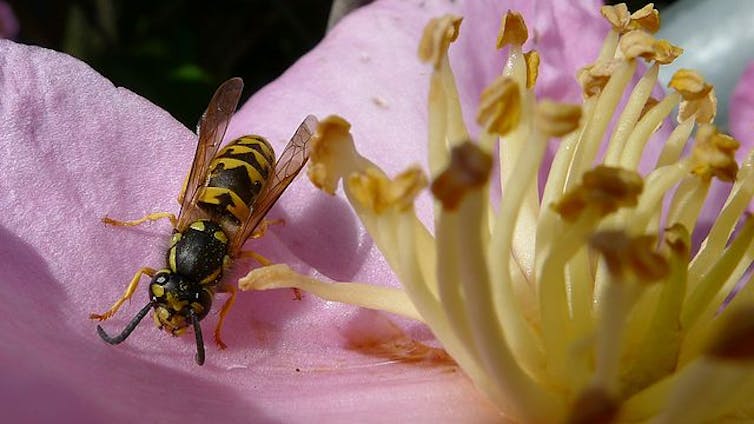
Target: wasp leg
{"type": "Point", "coordinates": [183, 190]}
{"type": "Point", "coordinates": [126, 295]}
{"type": "Point", "coordinates": [225, 288]}
{"type": "Point", "coordinates": [250, 254]}
{"type": "Point", "coordinates": [264, 226]}
{"type": "Point", "coordinates": [150, 217]}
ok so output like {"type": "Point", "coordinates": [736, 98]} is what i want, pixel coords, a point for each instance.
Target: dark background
{"type": "Point", "coordinates": [175, 52]}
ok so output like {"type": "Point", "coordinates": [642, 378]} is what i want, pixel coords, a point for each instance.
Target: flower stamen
{"type": "Point", "coordinates": [562, 306]}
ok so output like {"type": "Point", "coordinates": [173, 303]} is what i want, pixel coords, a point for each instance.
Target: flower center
{"type": "Point", "coordinates": [582, 301]}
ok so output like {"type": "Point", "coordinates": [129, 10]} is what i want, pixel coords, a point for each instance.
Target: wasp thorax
{"type": "Point", "coordinates": [175, 298]}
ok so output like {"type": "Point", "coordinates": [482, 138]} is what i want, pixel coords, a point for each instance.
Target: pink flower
{"type": "Point", "coordinates": [75, 148]}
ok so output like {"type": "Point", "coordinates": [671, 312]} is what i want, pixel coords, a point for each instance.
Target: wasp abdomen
{"type": "Point", "coordinates": [237, 175]}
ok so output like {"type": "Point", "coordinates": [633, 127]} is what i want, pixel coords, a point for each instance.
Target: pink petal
{"type": "Point", "coordinates": [742, 110]}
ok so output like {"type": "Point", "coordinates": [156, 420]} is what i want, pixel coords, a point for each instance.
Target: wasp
{"type": "Point", "coordinates": [224, 200]}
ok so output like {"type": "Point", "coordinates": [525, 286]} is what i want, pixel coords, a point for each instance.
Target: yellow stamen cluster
{"type": "Point", "coordinates": [582, 302]}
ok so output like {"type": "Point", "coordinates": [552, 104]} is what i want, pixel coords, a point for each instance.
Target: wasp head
{"type": "Point", "coordinates": [175, 298]}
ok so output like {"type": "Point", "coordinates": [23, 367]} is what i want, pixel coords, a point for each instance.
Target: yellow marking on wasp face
{"type": "Point", "coordinates": [212, 277]}
{"type": "Point", "coordinates": [175, 303]}
{"type": "Point", "coordinates": [161, 314]}
{"type": "Point", "coordinates": [172, 260]}
{"type": "Point", "coordinates": [157, 290]}
{"type": "Point", "coordinates": [221, 236]}
{"type": "Point", "coordinates": [197, 225]}
{"type": "Point", "coordinates": [175, 239]}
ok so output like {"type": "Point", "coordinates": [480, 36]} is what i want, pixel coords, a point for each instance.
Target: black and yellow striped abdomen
{"type": "Point", "coordinates": [237, 175]}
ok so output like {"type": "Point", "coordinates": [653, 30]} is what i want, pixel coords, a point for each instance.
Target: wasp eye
{"type": "Point", "coordinates": [161, 280]}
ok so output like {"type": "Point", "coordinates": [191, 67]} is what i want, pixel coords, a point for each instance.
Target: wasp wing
{"type": "Point", "coordinates": [211, 130]}
{"type": "Point", "coordinates": [288, 165]}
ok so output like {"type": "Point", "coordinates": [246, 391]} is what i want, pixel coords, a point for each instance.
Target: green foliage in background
{"type": "Point", "coordinates": [174, 52]}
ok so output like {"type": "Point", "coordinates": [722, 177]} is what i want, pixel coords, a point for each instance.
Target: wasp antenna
{"type": "Point", "coordinates": [126, 331]}
{"type": "Point", "coordinates": [199, 340]}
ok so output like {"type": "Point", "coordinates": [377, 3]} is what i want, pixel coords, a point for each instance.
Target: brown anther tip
{"type": "Point", "coordinates": [636, 255]}
{"type": "Point", "coordinates": [469, 169]}
{"type": "Point", "coordinates": [604, 188]}
{"type": "Point", "coordinates": [500, 106]}
{"type": "Point", "coordinates": [333, 153]}
{"type": "Point", "coordinates": [677, 239]}
{"type": "Point", "coordinates": [618, 16]}
{"type": "Point", "coordinates": [640, 43]}
{"type": "Point", "coordinates": [594, 405]}
{"type": "Point", "coordinates": [735, 341]}
{"type": "Point", "coordinates": [374, 191]}
{"type": "Point", "coordinates": [646, 18]}
{"type": "Point", "coordinates": [406, 186]}
{"type": "Point", "coordinates": [593, 78]}
{"type": "Point", "coordinates": [665, 52]}
{"type": "Point", "coordinates": [436, 39]}
{"type": "Point", "coordinates": [703, 109]}
{"type": "Point", "coordinates": [690, 84]}
{"type": "Point", "coordinates": [637, 43]}
{"type": "Point", "coordinates": [713, 154]}
{"type": "Point", "coordinates": [513, 30]}
{"type": "Point", "coordinates": [532, 67]}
